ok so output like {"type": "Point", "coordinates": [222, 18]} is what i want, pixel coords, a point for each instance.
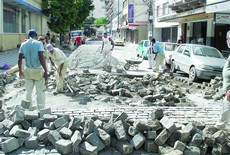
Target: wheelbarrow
{"type": "Point", "coordinates": [132, 63]}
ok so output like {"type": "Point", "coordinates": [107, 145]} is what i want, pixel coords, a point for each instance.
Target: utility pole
{"type": "Point", "coordinates": [118, 27]}
{"type": "Point", "coordinates": [150, 16]}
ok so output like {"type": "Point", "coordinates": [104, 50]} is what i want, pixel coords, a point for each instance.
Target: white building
{"type": "Point", "coordinates": [164, 31]}
{"type": "Point", "coordinates": [99, 9]}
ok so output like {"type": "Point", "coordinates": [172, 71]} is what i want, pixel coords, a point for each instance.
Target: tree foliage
{"type": "Point", "coordinates": [63, 13]}
{"type": "Point", "coordinates": [101, 21]}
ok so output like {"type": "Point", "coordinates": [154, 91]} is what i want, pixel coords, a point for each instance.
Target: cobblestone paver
{"type": "Point", "coordinates": [183, 115]}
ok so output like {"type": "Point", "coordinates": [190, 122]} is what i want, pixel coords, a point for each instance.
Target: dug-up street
{"type": "Point", "coordinates": [135, 111]}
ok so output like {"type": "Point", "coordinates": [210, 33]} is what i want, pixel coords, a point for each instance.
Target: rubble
{"type": "Point", "coordinates": [92, 135]}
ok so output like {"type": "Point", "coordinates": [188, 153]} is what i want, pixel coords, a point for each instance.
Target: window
{"type": "Point", "coordinates": [187, 50]}
{"type": "Point", "coordinates": [158, 11]}
{"type": "Point", "coordinates": [23, 20]}
{"type": "Point", "coordinates": [181, 48]}
{"type": "Point", "coordinates": [165, 8]}
{"type": "Point", "coordinates": [10, 19]}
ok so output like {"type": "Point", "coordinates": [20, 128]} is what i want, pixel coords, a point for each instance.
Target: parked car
{"type": "Point", "coordinates": [199, 61]}
{"type": "Point", "coordinates": [168, 48]}
{"type": "Point", "coordinates": [119, 42]}
{"type": "Point", "coordinates": [142, 49]}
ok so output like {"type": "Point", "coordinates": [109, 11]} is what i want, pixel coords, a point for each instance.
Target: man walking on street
{"type": "Point", "coordinates": [59, 60]}
{"type": "Point", "coordinates": [106, 50]}
{"type": "Point", "coordinates": [159, 55]}
{"type": "Point", "coordinates": [32, 50]}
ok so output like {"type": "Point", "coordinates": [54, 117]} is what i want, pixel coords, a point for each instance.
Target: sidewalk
{"type": "Point", "coordinates": [9, 57]}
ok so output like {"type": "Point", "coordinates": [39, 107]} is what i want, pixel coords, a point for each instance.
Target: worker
{"type": "Point", "coordinates": [106, 50]}
{"type": "Point", "coordinates": [60, 62]}
{"type": "Point", "coordinates": [32, 50]}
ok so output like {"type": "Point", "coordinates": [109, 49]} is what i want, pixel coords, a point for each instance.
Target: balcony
{"type": "Point", "coordinates": [186, 5]}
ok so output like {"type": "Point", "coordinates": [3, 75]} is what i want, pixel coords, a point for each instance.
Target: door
{"type": "Point", "coordinates": [177, 57]}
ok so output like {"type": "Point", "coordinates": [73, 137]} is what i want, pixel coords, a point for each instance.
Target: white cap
{"type": "Point", "coordinates": [50, 47]}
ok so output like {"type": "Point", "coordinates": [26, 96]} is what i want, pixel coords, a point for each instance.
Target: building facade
{"type": "Point", "coordinates": [99, 9]}
{"type": "Point", "coordinates": [16, 18]}
{"type": "Point", "coordinates": [164, 31]}
{"type": "Point", "coordinates": [207, 19]}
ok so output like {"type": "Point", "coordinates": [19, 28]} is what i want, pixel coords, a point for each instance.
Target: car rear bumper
{"type": "Point", "coordinates": [203, 74]}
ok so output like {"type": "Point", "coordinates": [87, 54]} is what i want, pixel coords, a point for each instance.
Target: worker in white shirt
{"type": "Point", "coordinates": [60, 62]}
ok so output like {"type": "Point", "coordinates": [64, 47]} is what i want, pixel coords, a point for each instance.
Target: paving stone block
{"type": "Point", "coordinates": [88, 127]}
{"type": "Point", "coordinates": [151, 146]}
{"type": "Point", "coordinates": [142, 126]}
{"type": "Point", "coordinates": [2, 128]}
{"type": "Point", "coordinates": [123, 117]}
{"type": "Point", "coordinates": [8, 124]}
{"type": "Point", "coordinates": [95, 141]}
{"type": "Point", "coordinates": [175, 152]}
{"type": "Point", "coordinates": [184, 136]}
{"type": "Point", "coordinates": [42, 135]}
{"type": "Point", "coordinates": [124, 147]}
{"type": "Point", "coordinates": [59, 122]}
{"type": "Point", "coordinates": [168, 124]}
{"type": "Point", "coordinates": [165, 149]}
{"type": "Point", "coordinates": [49, 117]}
{"type": "Point", "coordinates": [25, 124]}
{"type": "Point", "coordinates": [44, 111]}
{"type": "Point", "coordinates": [119, 130]}
{"type": "Point", "coordinates": [76, 140]}
{"type": "Point", "coordinates": [88, 149]}
{"type": "Point", "coordinates": [10, 145]}
{"type": "Point", "coordinates": [20, 133]}
{"type": "Point", "coordinates": [190, 127]}
{"type": "Point", "coordinates": [98, 123]}
{"type": "Point", "coordinates": [33, 131]}
{"type": "Point", "coordinates": [138, 140]}
{"type": "Point", "coordinates": [66, 133]}
{"type": "Point", "coordinates": [192, 150]}
{"type": "Point", "coordinates": [25, 104]}
{"type": "Point", "coordinates": [157, 114]}
{"type": "Point", "coordinates": [2, 116]}
{"type": "Point", "coordinates": [132, 131]}
{"type": "Point", "coordinates": [217, 149]}
{"type": "Point", "coordinates": [197, 139]}
{"type": "Point", "coordinates": [54, 136]}
{"type": "Point", "coordinates": [105, 138]}
{"type": "Point", "coordinates": [38, 123]}
{"type": "Point", "coordinates": [150, 135]}
{"type": "Point", "coordinates": [162, 137]}
{"type": "Point", "coordinates": [179, 146]}
{"type": "Point", "coordinates": [220, 136]}
{"type": "Point", "coordinates": [109, 128]}
{"type": "Point", "coordinates": [75, 123]}
{"type": "Point", "coordinates": [32, 142]}
{"type": "Point", "coordinates": [64, 146]}
{"type": "Point", "coordinates": [31, 115]}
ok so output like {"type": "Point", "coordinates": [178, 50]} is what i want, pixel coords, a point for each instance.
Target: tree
{"type": "Point", "coordinates": [100, 21]}
{"type": "Point", "coordinates": [62, 13]}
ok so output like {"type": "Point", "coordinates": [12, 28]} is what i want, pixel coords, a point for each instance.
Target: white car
{"type": "Point", "coordinates": [199, 61]}
{"type": "Point", "coordinates": [168, 48]}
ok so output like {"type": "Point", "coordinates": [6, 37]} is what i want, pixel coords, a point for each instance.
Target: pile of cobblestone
{"type": "Point", "coordinates": [4, 80]}
{"type": "Point", "coordinates": [21, 127]}
{"type": "Point", "coordinates": [85, 57]}
{"type": "Point", "coordinates": [150, 90]}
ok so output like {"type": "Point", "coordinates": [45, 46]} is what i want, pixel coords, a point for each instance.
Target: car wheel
{"type": "Point", "coordinates": [192, 74]}
{"type": "Point", "coordinates": [173, 68]}
{"type": "Point", "coordinates": [127, 66]}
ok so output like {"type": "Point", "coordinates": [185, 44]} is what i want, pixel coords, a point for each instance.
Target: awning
{"type": "Point", "coordinates": [131, 26]}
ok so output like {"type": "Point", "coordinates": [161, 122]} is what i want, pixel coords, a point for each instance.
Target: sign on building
{"type": "Point", "coordinates": [130, 13]}
{"type": "Point", "coordinates": [222, 18]}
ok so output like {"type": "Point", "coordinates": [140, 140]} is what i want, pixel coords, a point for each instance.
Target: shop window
{"type": "Point", "coordinates": [10, 19]}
